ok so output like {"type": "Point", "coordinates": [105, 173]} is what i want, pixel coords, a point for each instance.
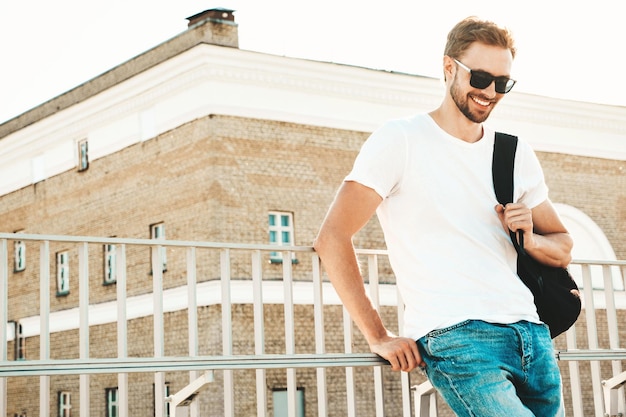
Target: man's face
{"type": "Point", "coordinates": [477, 104]}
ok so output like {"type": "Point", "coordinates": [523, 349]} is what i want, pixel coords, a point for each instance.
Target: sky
{"type": "Point", "coordinates": [566, 48]}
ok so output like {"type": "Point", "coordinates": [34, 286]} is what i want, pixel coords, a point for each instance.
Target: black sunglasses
{"type": "Point", "coordinates": [482, 79]}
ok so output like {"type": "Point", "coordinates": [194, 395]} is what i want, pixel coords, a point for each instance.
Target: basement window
{"type": "Point", "coordinates": [64, 404]}
{"type": "Point", "coordinates": [112, 404]}
{"type": "Point", "coordinates": [280, 400]}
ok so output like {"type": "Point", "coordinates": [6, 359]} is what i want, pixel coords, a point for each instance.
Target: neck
{"type": "Point", "coordinates": [457, 125]}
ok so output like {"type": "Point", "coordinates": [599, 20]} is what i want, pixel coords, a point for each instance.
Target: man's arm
{"type": "Point", "coordinates": [352, 208]}
{"type": "Point", "coordinates": [545, 237]}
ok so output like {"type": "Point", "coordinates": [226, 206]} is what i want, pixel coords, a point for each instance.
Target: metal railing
{"type": "Point", "coordinates": [204, 275]}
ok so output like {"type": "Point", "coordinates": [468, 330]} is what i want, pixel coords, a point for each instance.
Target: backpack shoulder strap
{"type": "Point", "coordinates": [504, 148]}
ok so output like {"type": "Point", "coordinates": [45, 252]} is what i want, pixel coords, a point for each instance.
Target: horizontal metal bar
{"type": "Point", "coordinates": [239, 362]}
{"type": "Point", "coordinates": [591, 355]}
{"type": "Point", "coordinates": [613, 262]}
{"type": "Point", "coordinates": [132, 365]}
{"type": "Point", "coordinates": [219, 245]}
{"type": "Point", "coordinates": [151, 242]}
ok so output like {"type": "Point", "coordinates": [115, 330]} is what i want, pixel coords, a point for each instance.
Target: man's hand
{"type": "Point", "coordinates": [545, 237]}
{"type": "Point", "coordinates": [516, 217]}
{"type": "Point", "coordinates": [401, 352]}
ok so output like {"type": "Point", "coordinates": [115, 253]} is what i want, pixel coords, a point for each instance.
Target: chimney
{"type": "Point", "coordinates": [217, 25]}
{"type": "Point", "coordinates": [218, 14]}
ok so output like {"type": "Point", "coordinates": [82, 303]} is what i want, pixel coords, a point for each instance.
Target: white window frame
{"type": "Point", "coordinates": [63, 273]}
{"type": "Point", "coordinates": [109, 264]}
{"type": "Point", "coordinates": [65, 406]}
{"type": "Point", "coordinates": [112, 401]}
{"type": "Point", "coordinates": [157, 232]}
{"type": "Point", "coordinates": [19, 264]}
{"type": "Point", "coordinates": [82, 147]}
{"type": "Point", "coordinates": [280, 234]}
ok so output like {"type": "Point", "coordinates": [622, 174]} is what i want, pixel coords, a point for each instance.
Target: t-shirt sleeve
{"type": "Point", "coordinates": [381, 160]}
{"type": "Point", "coordinates": [530, 188]}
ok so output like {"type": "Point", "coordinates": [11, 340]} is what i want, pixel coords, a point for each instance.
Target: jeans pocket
{"type": "Point", "coordinates": [444, 330]}
{"type": "Point", "coordinates": [442, 343]}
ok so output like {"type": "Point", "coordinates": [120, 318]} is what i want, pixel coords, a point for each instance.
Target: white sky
{"type": "Point", "coordinates": [566, 48]}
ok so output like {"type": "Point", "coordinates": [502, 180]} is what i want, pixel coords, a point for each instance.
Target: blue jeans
{"type": "Point", "coordinates": [494, 370]}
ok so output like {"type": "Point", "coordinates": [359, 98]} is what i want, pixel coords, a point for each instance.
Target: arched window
{"type": "Point", "coordinates": [590, 243]}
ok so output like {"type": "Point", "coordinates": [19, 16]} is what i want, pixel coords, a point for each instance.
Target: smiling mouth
{"type": "Point", "coordinates": [482, 102]}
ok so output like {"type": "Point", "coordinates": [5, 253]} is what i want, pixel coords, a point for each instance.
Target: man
{"type": "Point", "coordinates": [428, 178]}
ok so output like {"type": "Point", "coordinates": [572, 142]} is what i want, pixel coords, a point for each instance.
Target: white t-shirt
{"type": "Point", "coordinates": [452, 259]}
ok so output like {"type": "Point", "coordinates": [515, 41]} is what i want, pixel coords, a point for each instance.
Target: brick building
{"type": "Point", "coordinates": [198, 140]}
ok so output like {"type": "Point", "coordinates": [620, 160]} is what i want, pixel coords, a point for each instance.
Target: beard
{"type": "Point", "coordinates": [462, 103]}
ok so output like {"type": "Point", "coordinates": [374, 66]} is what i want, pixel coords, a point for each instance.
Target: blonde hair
{"type": "Point", "coordinates": [473, 29]}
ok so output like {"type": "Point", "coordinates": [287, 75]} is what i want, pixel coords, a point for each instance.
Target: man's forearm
{"type": "Point", "coordinates": [553, 249]}
{"type": "Point", "coordinates": [341, 265]}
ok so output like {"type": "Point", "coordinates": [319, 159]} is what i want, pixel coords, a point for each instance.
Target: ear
{"type": "Point", "coordinates": [448, 67]}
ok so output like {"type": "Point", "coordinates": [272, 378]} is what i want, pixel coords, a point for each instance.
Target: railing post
{"type": "Point", "coordinates": [404, 377]}
{"type": "Point", "coordinates": [320, 346]}
{"type": "Point", "coordinates": [44, 320]}
{"type": "Point", "coordinates": [122, 328]}
{"type": "Point", "coordinates": [4, 312]}
{"type": "Point", "coordinates": [613, 328]}
{"type": "Point", "coordinates": [592, 337]}
{"type": "Point", "coordinates": [347, 344]}
{"type": "Point", "coordinates": [290, 342]}
{"type": "Point", "coordinates": [259, 331]}
{"type": "Point", "coordinates": [227, 332]}
{"type": "Point", "coordinates": [159, 329]}
{"type": "Point", "coordinates": [379, 389]}
{"type": "Point", "coordinates": [574, 371]}
{"type": "Point", "coordinates": [192, 319]}
{"type": "Point", "coordinates": [83, 302]}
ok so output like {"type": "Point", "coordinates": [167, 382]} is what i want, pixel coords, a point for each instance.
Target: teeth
{"type": "Point", "coordinates": [481, 102]}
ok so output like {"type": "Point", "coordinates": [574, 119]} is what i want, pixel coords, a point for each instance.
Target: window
{"type": "Point", "coordinates": [157, 232]}
{"type": "Point", "coordinates": [110, 273]}
{"type": "Point", "coordinates": [64, 404]}
{"type": "Point", "coordinates": [20, 343]}
{"type": "Point", "coordinates": [281, 233]}
{"type": "Point", "coordinates": [279, 398]}
{"type": "Point", "coordinates": [83, 155]}
{"type": "Point", "coordinates": [63, 273]}
{"type": "Point", "coordinates": [111, 400]}
{"type": "Point", "coordinates": [20, 255]}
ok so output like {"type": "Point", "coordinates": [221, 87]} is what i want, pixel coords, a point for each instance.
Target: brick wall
{"type": "Point", "coordinates": [103, 345]}
{"type": "Point", "coordinates": [216, 179]}
{"type": "Point", "coordinates": [595, 186]}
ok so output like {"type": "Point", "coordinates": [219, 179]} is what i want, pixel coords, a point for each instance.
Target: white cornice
{"type": "Point", "coordinates": [209, 79]}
